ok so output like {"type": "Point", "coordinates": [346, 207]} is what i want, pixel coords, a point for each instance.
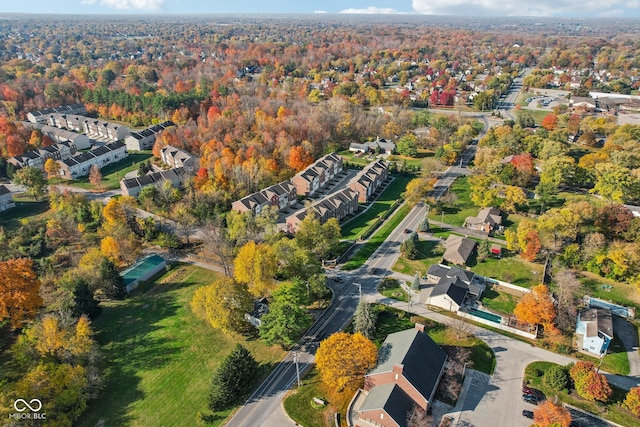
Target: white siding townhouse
{"type": "Point", "coordinates": [79, 165]}
{"type": "Point", "coordinates": [133, 186]}
{"type": "Point", "coordinates": [37, 158]}
{"type": "Point", "coordinates": [144, 139]}
{"type": "Point", "coordinates": [177, 158]}
{"type": "Point", "coordinates": [6, 199]}
{"type": "Point", "coordinates": [41, 116]}
{"type": "Point", "coordinates": [57, 134]}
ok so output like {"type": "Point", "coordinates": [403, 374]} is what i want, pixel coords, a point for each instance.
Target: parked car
{"type": "Point", "coordinates": [407, 231]}
{"type": "Point", "coordinates": [337, 279]}
{"type": "Point", "coordinates": [530, 399]}
{"type": "Point", "coordinates": [533, 392]}
{"type": "Point", "coordinates": [528, 414]}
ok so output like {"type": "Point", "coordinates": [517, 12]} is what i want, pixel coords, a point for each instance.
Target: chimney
{"type": "Point", "coordinates": [420, 327]}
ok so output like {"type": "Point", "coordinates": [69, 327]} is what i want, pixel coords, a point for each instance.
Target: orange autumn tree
{"type": "Point", "coordinates": [298, 158]}
{"type": "Point", "coordinates": [343, 359]}
{"type": "Point", "coordinates": [550, 122]}
{"type": "Point", "coordinates": [547, 414]}
{"type": "Point", "coordinates": [19, 291]}
{"type": "Point", "coordinates": [537, 308]}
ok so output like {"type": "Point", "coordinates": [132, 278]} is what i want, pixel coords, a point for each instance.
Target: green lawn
{"type": "Point", "coordinates": [461, 209]}
{"type": "Point", "coordinates": [159, 358]}
{"type": "Point", "coordinates": [611, 411]}
{"type": "Point", "coordinates": [610, 290]}
{"type": "Point", "coordinates": [431, 252]}
{"type": "Point", "coordinates": [376, 240]}
{"type": "Point", "coordinates": [615, 361]}
{"type": "Point", "coordinates": [298, 403]}
{"type": "Point", "coordinates": [391, 288]}
{"type": "Point", "coordinates": [112, 174]}
{"type": "Point", "coordinates": [353, 229]}
{"type": "Point", "coordinates": [511, 269]}
{"type": "Point", "coordinates": [499, 301]}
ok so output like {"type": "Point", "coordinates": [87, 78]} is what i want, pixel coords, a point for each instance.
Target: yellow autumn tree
{"type": "Point", "coordinates": [223, 304]}
{"type": "Point", "coordinates": [537, 308]}
{"type": "Point", "coordinates": [19, 291]}
{"type": "Point", "coordinates": [52, 168]}
{"type": "Point", "coordinates": [343, 359]}
{"type": "Point", "coordinates": [256, 266]}
{"type": "Point", "coordinates": [110, 249]}
{"type": "Point", "coordinates": [548, 414]}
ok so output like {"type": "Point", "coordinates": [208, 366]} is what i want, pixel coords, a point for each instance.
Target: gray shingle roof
{"type": "Point", "coordinates": [392, 399]}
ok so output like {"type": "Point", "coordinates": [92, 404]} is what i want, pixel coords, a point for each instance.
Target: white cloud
{"type": "Point", "coordinates": [520, 7]}
{"type": "Point", "coordinates": [371, 10]}
{"type": "Point", "coordinates": [319, 11]}
{"type": "Point", "coordinates": [129, 4]}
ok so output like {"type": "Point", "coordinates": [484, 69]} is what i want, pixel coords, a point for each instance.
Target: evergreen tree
{"type": "Point", "coordinates": [484, 250]}
{"type": "Point", "coordinates": [84, 301]}
{"type": "Point", "coordinates": [364, 320]}
{"type": "Point", "coordinates": [415, 285]}
{"type": "Point", "coordinates": [409, 247]}
{"type": "Point", "coordinates": [235, 376]}
{"type": "Point", "coordinates": [110, 280]}
{"type": "Point", "coordinates": [424, 225]}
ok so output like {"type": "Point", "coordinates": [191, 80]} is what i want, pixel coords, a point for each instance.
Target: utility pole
{"type": "Point", "coordinates": [296, 360]}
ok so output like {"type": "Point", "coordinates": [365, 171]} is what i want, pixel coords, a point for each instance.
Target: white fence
{"type": "Point", "coordinates": [507, 285]}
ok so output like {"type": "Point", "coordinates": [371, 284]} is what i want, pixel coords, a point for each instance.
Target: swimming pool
{"type": "Point", "coordinates": [486, 315]}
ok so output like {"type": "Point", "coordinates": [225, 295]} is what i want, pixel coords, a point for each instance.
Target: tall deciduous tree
{"type": "Point", "coordinates": [319, 239]}
{"type": "Point", "coordinates": [256, 266]}
{"type": "Point", "coordinates": [548, 414]}
{"type": "Point", "coordinates": [19, 291]}
{"type": "Point", "coordinates": [286, 318]}
{"type": "Point", "coordinates": [537, 308]}
{"type": "Point", "coordinates": [343, 359]}
{"type": "Point", "coordinates": [33, 179]}
{"type": "Point", "coordinates": [223, 304]}
{"type": "Point", "coordinates": [235, 375]}
{"type": "Point", "coordinates": [95, 176]}
{"type": "Point", "coordinates": [567, 295]}
{"type": "Point", "coordinates": [52, 168]}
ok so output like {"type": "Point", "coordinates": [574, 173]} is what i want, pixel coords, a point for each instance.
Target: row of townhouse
{"type": "Point", "coordinates": [281, 196]}
{"type": "Point", "coordinates": [37, 158]}
{"type": "Point", "coordinates": [337, 205]}
{"type": "Point", "coordinates": [144, 139]}
{"type": "Point", "coordinates": [79, 165]}
{"type": "Point", "coordinates": [94, 128]}
{"type": "Point", "coordinates": [369, 180]}
{"type": "Point", "coordinates": [41, 116]}
{"type": "Point", "coordinates": [315, 176]}
{"type": "Point", "coordinates": [6, 199]}
{"type": "Point", "coordinates": [82, 142]}
{"type": "Point", "coordinates": [284, 194]}
{"type": "Point", "coordinates": [178, 158]}
{"type": "Point", "coordinates": [133, 186]}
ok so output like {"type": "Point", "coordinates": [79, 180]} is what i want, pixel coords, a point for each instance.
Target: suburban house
{"type": "Point", "coordinates": [144, 139]}
{"type": "Point", "coordinates": [410, 366]}
{"type": "Point", "coordinates": [37, 158]}
{"type": "Point", "coordinates": [6, 199]}
{"type": "Point", "coordinates": [336, 205]}
{"type": "Point", "coordinates": [317, 175]}
{"type": "Point", "coordinates": [382, 146]}
{"type": "Point", "coordinates": [177, 158]}
{"type": "Point", "coordinates": [454, 286]}
{"type": "Point", "coordinates": [133, 186]}
{"type": "Point", "coordinates": [72, 122]}
{"type": "Point", "coordinates": [79, 165]}
{"type": "Point", "coordinates": [260, 308]}
{"type": "Point", "coordinates": [282, 196]}
{"type": "Point", "coordinates": [81, 141]}
{"type": "Point", "coordinates": [594, 330]}
{"type": "Point", "coordinates": [458, 249]}
{"type": "Point", "coordinates": [42, 115]}
{"type": "Point", "coordinates": [369, 180]}
{"type": "Point", "coordinates": [488, 220]}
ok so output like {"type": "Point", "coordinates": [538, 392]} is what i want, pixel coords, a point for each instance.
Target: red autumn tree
{"type": "Point", "coordinates": [550, 122]}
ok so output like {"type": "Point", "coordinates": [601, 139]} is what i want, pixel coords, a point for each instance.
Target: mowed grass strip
{"type": "Point", "coordinates": [377, 239]}
{"type": "Point", "coordinates": [353, 229]}
{"type": "Point", "coordinates": [159, 358]}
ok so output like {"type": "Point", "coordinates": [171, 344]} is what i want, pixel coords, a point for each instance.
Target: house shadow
{"type": "Point", "coordinates": [479, 387]}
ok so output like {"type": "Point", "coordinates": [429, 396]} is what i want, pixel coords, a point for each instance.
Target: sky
{"type": "Point", "coordinates": [557, 8]}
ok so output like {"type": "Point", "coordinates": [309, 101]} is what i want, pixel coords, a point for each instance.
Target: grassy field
{"type": "Point", "coordinates": [511, 269]}
{"type": "Point", "coordinates": [391, 288]}
{"type": "Point", "coordinates": [26, 210]}
{"type": "Point", "coordinates": [354, 228]}
{"type": "Point", "coordinates": [610, 290]}
{"type": "Point", "coordinates": [298, 403]}
{"type": "Point", "coordinates": [612, 410]}
{"type": "Point", "coordinates": [112, 174]}
{"type": "Point", "coordinates": [431, 252]}
{"type": "Point", "coordinates": [159, 357]}
{"type": "Point", "coordinates": [376, 240]}
{"type": "Point", "coordinates": [461, 209]}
